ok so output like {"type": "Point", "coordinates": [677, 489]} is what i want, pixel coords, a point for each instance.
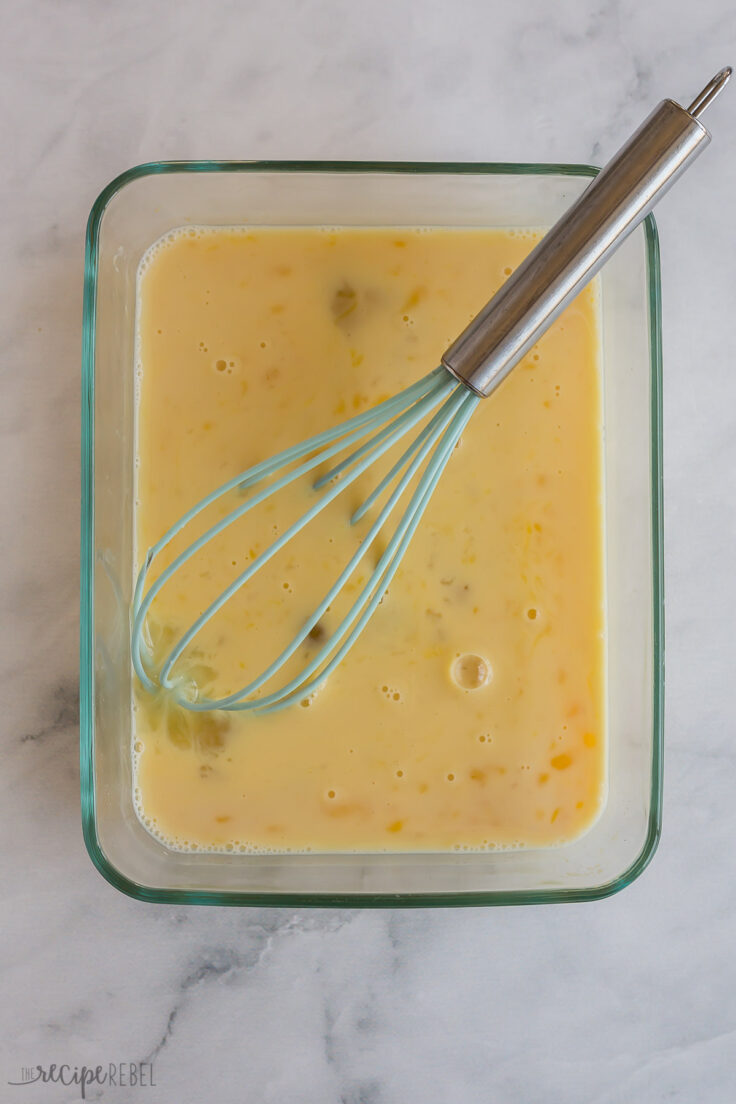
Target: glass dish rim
{"type": "Point", "coordinates": [86, 683]}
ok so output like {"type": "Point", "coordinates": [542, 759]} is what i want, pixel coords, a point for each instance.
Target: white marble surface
{"type": "Point", "coordinates": [626, 1001]}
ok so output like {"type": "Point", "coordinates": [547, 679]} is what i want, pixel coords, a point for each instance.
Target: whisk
{"type": "Point", "coordinates": [567, 257]}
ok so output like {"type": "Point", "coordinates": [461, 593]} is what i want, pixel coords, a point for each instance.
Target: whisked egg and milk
{"type": "Point", "coordinates": [470, 714]}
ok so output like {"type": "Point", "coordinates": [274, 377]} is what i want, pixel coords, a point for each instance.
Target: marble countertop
{"type": "Point", "coordinates": [629, 1000]}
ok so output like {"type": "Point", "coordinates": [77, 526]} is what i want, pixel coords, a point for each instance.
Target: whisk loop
{"type": "Point", "coordinates": [385, 425]}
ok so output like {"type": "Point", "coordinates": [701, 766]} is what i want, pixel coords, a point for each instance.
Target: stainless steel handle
{"type": "Point", "coordinates": [580, 242]}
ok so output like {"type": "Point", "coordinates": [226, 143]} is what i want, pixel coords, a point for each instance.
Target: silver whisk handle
{"type": "Point", "coordinates": [580, 242]}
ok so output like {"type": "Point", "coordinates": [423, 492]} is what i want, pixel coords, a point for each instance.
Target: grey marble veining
{"type": "Point", "coordinates": [626, 1001]}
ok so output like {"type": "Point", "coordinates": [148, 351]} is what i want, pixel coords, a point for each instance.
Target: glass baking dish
{"type": "Point", "coordinates": [129, 215]}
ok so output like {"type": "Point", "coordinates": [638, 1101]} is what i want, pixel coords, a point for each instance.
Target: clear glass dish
{"type": "Point", "coordinates": [131, 213]}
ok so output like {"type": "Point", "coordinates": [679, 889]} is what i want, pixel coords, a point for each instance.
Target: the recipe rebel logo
{"type": "Point", "coordinates": [123, 1075]}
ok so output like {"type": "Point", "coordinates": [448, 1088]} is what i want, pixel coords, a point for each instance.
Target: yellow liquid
{"type": "Point", "coordinates": [470, 713]}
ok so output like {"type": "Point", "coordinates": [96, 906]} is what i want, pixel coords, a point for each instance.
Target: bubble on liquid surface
{"type": "Point", "coordinates": [470, 671]}
{"type": "Point", "coordinates": [391, 693]}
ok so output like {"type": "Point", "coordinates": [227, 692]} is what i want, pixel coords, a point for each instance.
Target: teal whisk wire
{"type": "Point", "coordinates": [384, 426]}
